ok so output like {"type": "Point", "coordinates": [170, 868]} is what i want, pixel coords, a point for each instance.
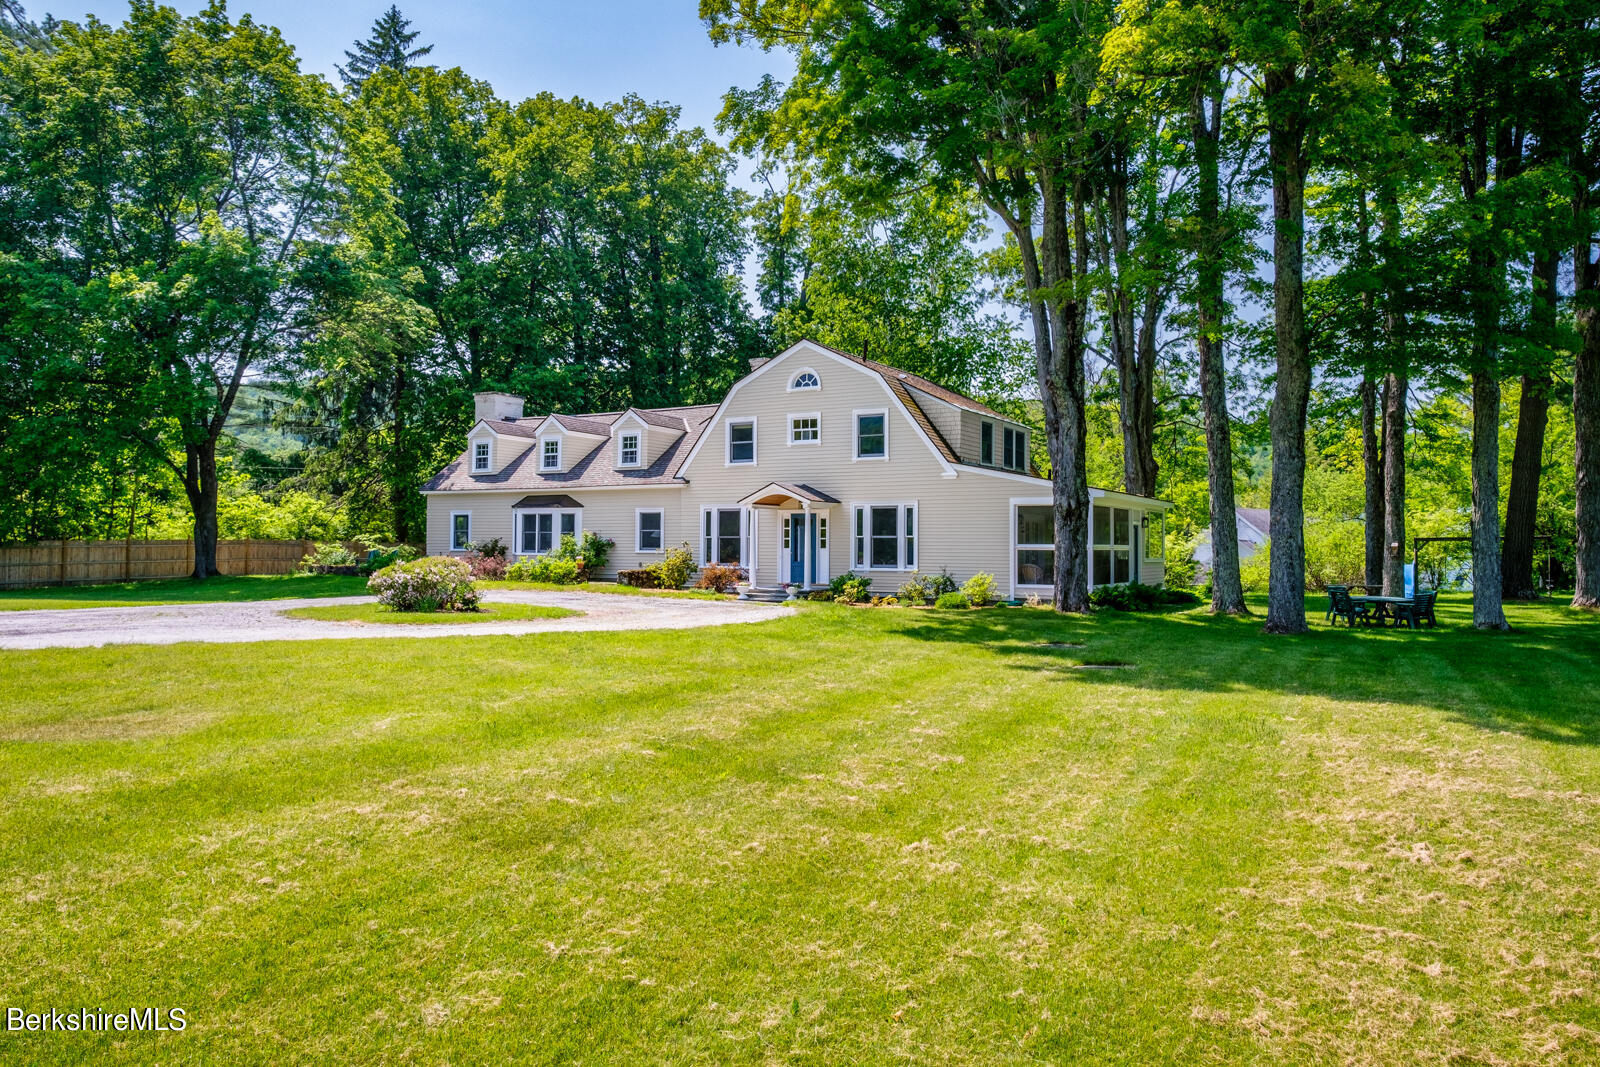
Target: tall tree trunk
{"type": "Point", "coordinates": [1527, 459]}
{"type": "Point", "coordinates": [1487, 278]}
{"type": "Point", "coordinates": [200, 486]}
{"type": "Point", "coordinates": [1135, 373]}
{"type": "Point", "coordinates": [400, 486]}
{"type": "Point", "coordinates": [1586, 401]}
{"type": "Point", "coordinates": [1048, 279]}
{"type": "Point", "coordinates": [1394, 483]}
{"type": "Point", "coordinates": [1286, 588]}
{"type": "Point", "coordinates": [1205, 123]}
{"type": "Point", "coordinates": [1487, 613]}
{"type": "Point", "coordinates": [1372, 469]}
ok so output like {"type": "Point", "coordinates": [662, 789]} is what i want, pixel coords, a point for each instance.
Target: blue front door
{"type": "Point", "coordinates": [797, 548]}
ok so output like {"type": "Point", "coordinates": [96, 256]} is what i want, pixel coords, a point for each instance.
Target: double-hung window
{"type": "Point", "coordinates": [886, 536]}
{"type": "Point", "coordinates": [649, 530]}
{"type": "Point", "coordinates": [460, 530]}
{"type": "Point", "coordinates": [480, 456]}
{"type": "Point", "coordinates": [742, 441]}
{"type": "Point", "coordinates": [628, 450]}
{"type": "Point", "coordinates": [805, 429]}
{"type": "Point", "coordinates": [1015, 456]}
{"type": "Point", "coordinates": [986, 444]}
{"type": "Point", "coordinates": [872, 435]}
{"type": "Point", "coordinates": [550, 458]}
{"type": "Point", "coordinates": [1112, 533]}
{"type": "Point", "coordinates": [722, 536]}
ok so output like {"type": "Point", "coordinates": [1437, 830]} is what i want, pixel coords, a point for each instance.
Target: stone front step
{"type": "Point", "coordinates": [767, 596]}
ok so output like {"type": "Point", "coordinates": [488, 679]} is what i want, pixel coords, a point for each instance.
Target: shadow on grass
{"type": "Point", "coordinates": [1541, 680]}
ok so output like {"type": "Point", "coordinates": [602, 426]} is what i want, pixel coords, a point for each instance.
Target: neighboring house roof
{"type": "Point", "coordinates": [1260, 520]}
{"type": "Point", "coordinates": [596, 469]}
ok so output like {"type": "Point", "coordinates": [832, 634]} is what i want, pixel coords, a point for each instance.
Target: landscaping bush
{"type": "Point", "coordinates": [433, 583]}
{"type": "Point", "coordinates": [644, 578]}
{"type": "Point", "coordinates": [492, 547]}
{"type": "Point", "coordinates": [952, 600]}
{"type": "Point", "coordinates": [480, 565]}
{"type": "Point", "coordinates": [590, 551]}
{"type": "Point", "coordinates": [546, 569]}
{"type": "Point", "coordinates": [914, 590]}
{"type": "Point", "coordinates": [674, 569]}
{"type": "Point", "coordinates": [329, 554]}
{"type": "Point", "coordinates": [1138, 597]}
{"type": "Point", "coordinates": [850, 588]}
{"type": "Point", "coordinates": [386, 556]}
{"type": "Point", "coordinates": [979, 588]}
{"type": "Point", "coordinates": [940, 584]}
{"type": "Point", "coordinates": [719, 577]}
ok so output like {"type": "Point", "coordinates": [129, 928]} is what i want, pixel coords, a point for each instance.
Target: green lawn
{"type": "Point", "coordinates": [868, 836]}
{"type": "Point", "coordinates": [379, 613]}
{"type": "Point", "coordinates": [185, 591]}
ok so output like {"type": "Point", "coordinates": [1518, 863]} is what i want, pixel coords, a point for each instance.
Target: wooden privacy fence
{"type": "Point", "coordinates": [85, 562]}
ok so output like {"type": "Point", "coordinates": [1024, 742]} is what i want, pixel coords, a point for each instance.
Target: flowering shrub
{"type": "Point", "coordinates": [483, 565]}
{"type": "Point", "coordinates": [719, 577]}
{"type": "Point", "coordinates": [433, 583]}
{"type": "Point", "coordinates": [547, 569]}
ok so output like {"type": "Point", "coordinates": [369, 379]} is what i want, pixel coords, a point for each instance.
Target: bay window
{"type": "Point", "coordinates": [722, 536]}
{"type": "Point", "coordinates": [540, 530]}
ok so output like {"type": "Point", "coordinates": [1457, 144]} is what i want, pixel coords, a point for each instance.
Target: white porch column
{"type": "Point", "coordinates": [805, 573]}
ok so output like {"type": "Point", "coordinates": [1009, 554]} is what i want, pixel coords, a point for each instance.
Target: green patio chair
{"type": "Point", "coordinates": [1332, 589]}
{"type": "Point", "coordinates": [1340, 606]}
{"type": "Point", "coordinates": [1419, 611]}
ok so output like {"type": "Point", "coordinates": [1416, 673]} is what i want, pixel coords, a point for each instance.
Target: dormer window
{"type": "Point", "coordinates": [480, 456]}
{"type": "Point", "coordinates": [1016, 450]}
{"type": "Point", "coordinates": [806, 379]}
{"type": "Point", "coordinates": [550, 458]}
{"type": "Point", "coordinates": [628, 450]}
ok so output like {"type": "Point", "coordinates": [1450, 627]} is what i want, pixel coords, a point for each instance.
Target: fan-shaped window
{"type": "Point", "coordinates": [806, 379]}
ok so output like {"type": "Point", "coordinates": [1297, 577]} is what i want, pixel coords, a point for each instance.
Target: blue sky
{"type": "Point", "coordinates": [596, 49]}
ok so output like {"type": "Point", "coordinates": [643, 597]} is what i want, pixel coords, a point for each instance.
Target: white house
{"type": "Point", "coordinates": [814, 463]}
{"type": "Point", "coordinates": [1254, 525]}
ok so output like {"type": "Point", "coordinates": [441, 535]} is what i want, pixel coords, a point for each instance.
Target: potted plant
{"type": "Point", "coordinates": [791, 591]}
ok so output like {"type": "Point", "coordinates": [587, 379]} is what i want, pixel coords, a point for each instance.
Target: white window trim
{"type": "Point", "coordinates": [560, 447]}
{"type": "Point", "coordinates": [747, 534]}
{"type": "Point", "coordinates": [638, 539]}
{"type": "Point", "coordinates": [793, 388]}
{"type": "Point", "coordinates": [1032, 502]}
{"type": "Point", "coordinates": [453, 516]}
{"type": "Point", "coordinates": [1015, 432]}
{"type": "Point", "coordinates": [805, 415]}
{"type": "Point", "coordinates": [555, 527]}
{"type": "Point", "coordinates": [727, 441]}
{"type": "Point", "coordinates": [855, 435]}
{"type": "Point", "coordinates": [899, 535]}
{"type": "Point", "coordinates": [1144, 550]}
{"type": "Point", "coordinates": [488, 457]}
{"type": "Point", "coordinates": [638, 449]}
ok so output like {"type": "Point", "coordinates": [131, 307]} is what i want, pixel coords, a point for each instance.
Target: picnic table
{"type": "Point", "coordinates": [1386, 609]}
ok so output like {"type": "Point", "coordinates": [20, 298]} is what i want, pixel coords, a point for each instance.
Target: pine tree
{"type": "Point", "coordinates": [389, 46]}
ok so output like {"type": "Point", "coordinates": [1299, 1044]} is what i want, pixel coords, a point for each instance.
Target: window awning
{"type": "Point", "coordinates": [778, 492]}
{"type": "Point", "coordinates": [560, 500]}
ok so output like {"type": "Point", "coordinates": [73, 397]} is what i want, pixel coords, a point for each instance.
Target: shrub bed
{"type": "Point", "coordinates": [1138, 597]}
{"type": "Point", "coordinates": [434, 583]}
{"type": "Point", "coordinates": [643, 578]}
{"type": "Point", "coordinates": [719, 577]}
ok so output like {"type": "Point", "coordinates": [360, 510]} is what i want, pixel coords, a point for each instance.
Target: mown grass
{"type": "Point", "coordinates": [379, 613]}
{"type": "Point", "coordinates": [846, 836]}
{"type": "Point", "coordinates": [185, 591]}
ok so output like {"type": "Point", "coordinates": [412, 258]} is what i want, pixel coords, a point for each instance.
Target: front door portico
{"type": "Point", "coordinates": [802, 530]}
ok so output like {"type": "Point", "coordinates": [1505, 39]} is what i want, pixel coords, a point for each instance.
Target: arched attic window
{"type": "Point", "coordinates": [806, 379]}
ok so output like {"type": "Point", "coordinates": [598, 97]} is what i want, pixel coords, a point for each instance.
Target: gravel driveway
{"type": "Point", "coordinates": [262, 620]}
